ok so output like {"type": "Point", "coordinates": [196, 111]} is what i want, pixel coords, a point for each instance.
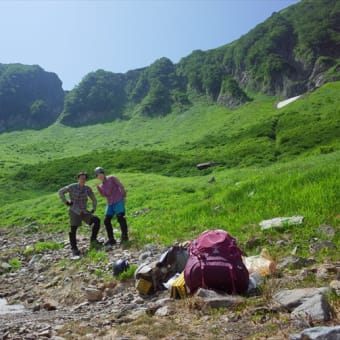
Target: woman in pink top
{"type": "Point", "coordinates": [113, 190]}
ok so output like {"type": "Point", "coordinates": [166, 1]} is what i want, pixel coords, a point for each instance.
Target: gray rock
{"type": "Point", "coordinates": [327, 229]}
{"type": "Point", "coordinates": [316, 247]}
{"type": "Point", "coordinates": [93, 294]}
{"type": "Point", "coordinates": [295, 250]}
{"type": "Point", "coordinates": [335, 285]}
{"type": "Point", "coordinates": [144, 256]}
{"type": "Point", "coordinates": [50, 305]}
{"type": "Point", "coordinates": [294, 262]}
{"type": "Point", "coordinates": [32, 227]}
{"type": "Point", "coordinates": [252, 242]}
{"type": "Point", "coordinates": [222, 302]}
{"type": "Point", "coordinates": [281, 222]}
{"type": "Point", "coordinates": [165, 311]}
{"type": "Point", "coordinates": [315, 308]}
{"type": "Point", "coordinates": [281, 243]}
{"type": "Point", "coordinates": [4, 266]}
{"type": "Point", "coordinates": [212, 180]}
{"type": "Point", "coordinates": [35, 258]}
{"type": "Point", "coordinates": [208, 293]}
{"type": "Point", "coordinates": [291, 299]}
{"type": "Point", "coordinates": [212, 299]}
{"type": "Point", "coordinates": [326, 271]}
{"type": "Point", "coordinates": [164, 301]}
{"type": "Point", "coordinates": [318, 333]}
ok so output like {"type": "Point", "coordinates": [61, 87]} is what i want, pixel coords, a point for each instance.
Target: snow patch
{"type": "Point", "coordinates": [286, 102]}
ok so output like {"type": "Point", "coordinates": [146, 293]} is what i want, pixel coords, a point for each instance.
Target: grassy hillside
{"type": "Point", "coordinates": [164, 209]}
{"type": "Point", "coordinates": [273, 162]}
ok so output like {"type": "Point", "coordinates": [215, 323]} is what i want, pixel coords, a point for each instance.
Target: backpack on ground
{"type": "Point", "coordinates": [150, 277]}
{"type": "Point", "coordinates": [215, 262]}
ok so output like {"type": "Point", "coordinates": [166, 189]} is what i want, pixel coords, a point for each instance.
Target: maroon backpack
{"type": "Point", "coordinates": [215, 262]}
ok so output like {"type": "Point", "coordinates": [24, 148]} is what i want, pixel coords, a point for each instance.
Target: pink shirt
{"type": "Point", "coordinates": [112, 189]}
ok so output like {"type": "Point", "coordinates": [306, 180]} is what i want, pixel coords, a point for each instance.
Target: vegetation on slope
{"type": "Point", "coordinates": [293, 51]}
{"type": "Point", "coordinates": [29, 97]}
{"type": "Point", "coordinates": [257, 134]}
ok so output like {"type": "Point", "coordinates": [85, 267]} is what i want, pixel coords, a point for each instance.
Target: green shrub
{"type": "Point", "coordinates": [15, 263]}
{"type": "Point", "coordinates": [129, 273]}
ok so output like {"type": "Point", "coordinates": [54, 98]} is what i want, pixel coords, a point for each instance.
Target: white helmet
{"type": "Point", "coordinates": [99, 170]}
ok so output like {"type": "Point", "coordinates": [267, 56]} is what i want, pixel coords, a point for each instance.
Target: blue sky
{"type": "Point", "coordinates": [73, 38]}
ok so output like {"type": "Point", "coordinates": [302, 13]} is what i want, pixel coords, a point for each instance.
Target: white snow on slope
{"type": "Point", "coordinates": [286, 102]}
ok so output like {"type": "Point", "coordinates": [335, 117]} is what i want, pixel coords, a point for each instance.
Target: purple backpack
{"type": "Point", "coordinates": [215, 262]}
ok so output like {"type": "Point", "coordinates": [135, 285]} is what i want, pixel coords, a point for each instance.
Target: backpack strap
{"type": "Point", "coordinates": [193, 251]}
{"type": "Point", "coordinates": [232, 276]}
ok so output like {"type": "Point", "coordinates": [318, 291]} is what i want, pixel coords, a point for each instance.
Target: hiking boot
{"type": "Point", "coordinates": [75, 252]}
{"type": "Point", "coordinates": [95, 244]}
{"type": "Point", "coordinates": [124, 239]}
{"type": "Point", "coordinates": [110, 243]}
{"type": "Point", "coordinates": [73, 243]}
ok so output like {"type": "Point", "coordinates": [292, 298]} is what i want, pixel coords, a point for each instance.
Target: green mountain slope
{"type": "Point", "coordinates": [294, 51]}
{"type": "Point", "coordinates": [257, 134]}
{"type": "Point", "coordinates": [272, 162]}
{"type": "Point", "coordinates": [30, 98]}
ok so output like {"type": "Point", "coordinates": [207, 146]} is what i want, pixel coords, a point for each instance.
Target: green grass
{"type": "Point", "coordinates": [129, 273]}
{"type": "Point", "coordinates": [42, 247]}
{"type": "Point", "coordinates": [181, 208]}
{"type": "Point", "coordinates": [272, 163]}
{"type": "Point", "coordinates": [15, 263]}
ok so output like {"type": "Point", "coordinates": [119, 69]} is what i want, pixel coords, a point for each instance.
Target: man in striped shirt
{"type": "Point", "coordinates": [77, 203]}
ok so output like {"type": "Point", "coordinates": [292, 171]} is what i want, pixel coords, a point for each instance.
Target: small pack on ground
{"type": "Point", "coordinates": [151, 276]}
{"type": "Point", "coordinates": [215, 262]}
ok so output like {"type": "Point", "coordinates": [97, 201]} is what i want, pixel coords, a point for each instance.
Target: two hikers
{"type": "Point", "coordinates": [78, 194]}
{"type": "Point", "coordinates": [113, 190]}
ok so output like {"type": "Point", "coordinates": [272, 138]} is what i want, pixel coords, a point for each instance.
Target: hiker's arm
{"type": "Point", "coordinates": [93, 199]}
{"type": "Point", "coordinates": [100, 190]}
{"type": "Point", "coordinates": [62, 193]}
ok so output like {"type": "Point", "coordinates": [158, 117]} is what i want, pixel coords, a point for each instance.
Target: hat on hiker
{"type": "Point", "coordinates": [99, 170]}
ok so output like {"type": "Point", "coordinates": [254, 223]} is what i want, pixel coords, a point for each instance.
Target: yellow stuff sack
{"type": "Point", "coordinates": [143, 286]}
{"type": "Point", "coordinates": [178, 289]}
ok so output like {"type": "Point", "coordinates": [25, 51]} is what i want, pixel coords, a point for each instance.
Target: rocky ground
{"type": "Point", "coordinates": [67, 298]}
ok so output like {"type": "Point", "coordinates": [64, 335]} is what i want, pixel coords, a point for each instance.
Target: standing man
{"type": "Point", "coordinates": [78, 194]}
{"type": "Point", "coordinates": [113, 190]}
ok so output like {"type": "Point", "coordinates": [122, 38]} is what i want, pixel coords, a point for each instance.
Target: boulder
{"type": "Point", "coordinates": [165, 311]}
{"type": "Point", "coordinates": [208, 293]}
{"type": "Point", "coordinates": [222, 302]}
{"type": "Point", "coordinates": [93, 294]}
{"type": "Point", "coordinates": [291, 299]}
{"type": "Point", "coordinates": [327, 271]}
{"type": "Point", "coordinates": [212, 299]}
{"type": "Point", "coordinates": [335, 285]}
{"type": "Point", "coordinates": [316, 247]}
{"type": "Point", "coordinates": [318, 333]}
{"type": "Point", "coordinates": [315, 308]}
{"type": "Point", "coordinates": [50, 305]}
{"type": "Point", "coordinates": [252, 242]}
{"type": "Point", "coordinates": [294, 262]}
{"type": "Point", "coordinates": [281, 222]}
{"type": "Point", "coordinates": [327, 229]}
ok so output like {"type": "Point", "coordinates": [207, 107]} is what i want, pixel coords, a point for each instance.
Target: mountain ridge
{"type": "Point", "coordinates": [294, 51]}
